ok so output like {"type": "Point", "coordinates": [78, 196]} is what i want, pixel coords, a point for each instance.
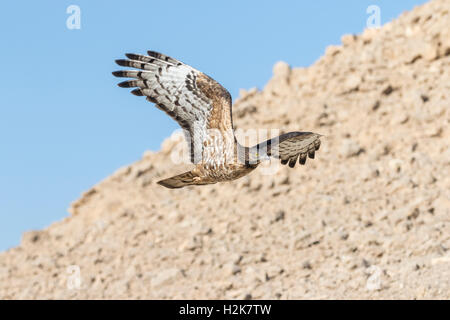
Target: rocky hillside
{"type": "Point", "coordinates": [368, 218]}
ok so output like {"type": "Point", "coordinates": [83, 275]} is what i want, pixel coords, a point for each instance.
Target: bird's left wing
{"type": "Point", "coordinates": [197, 102]}
{"type": "Point", "coordinates": [291, 146]}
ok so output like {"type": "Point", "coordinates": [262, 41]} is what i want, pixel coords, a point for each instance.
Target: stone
{"type": "Point", "coordinates": [165, 277]}
{"type": "Point", "coordinates": [281, 70]}
{"type": "Point", "coordinates": [350, 148]}
{"type": "Point", "coordinates": [231, 269]}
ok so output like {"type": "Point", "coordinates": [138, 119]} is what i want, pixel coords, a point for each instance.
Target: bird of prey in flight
{"type": "Point", "coordinates": [202, 107]}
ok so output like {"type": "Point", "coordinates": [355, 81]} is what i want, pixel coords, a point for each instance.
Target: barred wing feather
{"type": "Point", "coordinates": [194, 100]}
{"type": "Point", "coordinates": [292, 146]}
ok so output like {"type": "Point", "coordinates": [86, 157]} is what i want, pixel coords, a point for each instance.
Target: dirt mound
{"type": "Point", "coordinates": [368, 218]}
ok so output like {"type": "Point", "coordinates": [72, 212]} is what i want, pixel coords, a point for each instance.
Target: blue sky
{"type": "Point", "coordinates": [65, 125]}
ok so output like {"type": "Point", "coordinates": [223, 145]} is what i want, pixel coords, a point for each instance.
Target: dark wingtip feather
{"type": "Point", "coordinates": [292, 163]}
{"type": "Point", "coordinates": [317, 145]}
{"type": "Point", "coordinates": [284, 161]}
{"type": "Point", "coordinates": [131, 56]}
{"type": "Point", "coordinates": [302, 159]}
{"type": "Point", "coordinates": [118, 73]}
{"type": "Point", "coordinates": [125, 84]}
{"type": "Point", "coordinates": [137, 92]}
{"type": "Point", "coordinates": [122, 62]}
{"type": "Point", "coordinates": [311, 153]}
{"type": "Point", "coordinates": [154, 54]}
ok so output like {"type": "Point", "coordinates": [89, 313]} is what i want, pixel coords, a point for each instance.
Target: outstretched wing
{"type": "Point", "coordinates": [291, 146]}
{"type": "Point", "coordinates": [197, 102]}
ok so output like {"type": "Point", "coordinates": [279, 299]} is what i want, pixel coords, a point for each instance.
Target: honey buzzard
{"type": "Point", "coordinates": [202, 107]}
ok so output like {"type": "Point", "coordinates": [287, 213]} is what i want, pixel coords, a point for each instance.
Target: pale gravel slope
{"type": "Point", "coordinates": [375, 200]}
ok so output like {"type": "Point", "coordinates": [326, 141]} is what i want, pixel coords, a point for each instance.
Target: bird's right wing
{"type": "Point", "coordinates": [292, 146]}
{"type": "Point", "coordinates": [197, 102]}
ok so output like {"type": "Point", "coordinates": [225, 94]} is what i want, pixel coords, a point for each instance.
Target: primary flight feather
{"type": "Point", "coordinates": [202, 107]}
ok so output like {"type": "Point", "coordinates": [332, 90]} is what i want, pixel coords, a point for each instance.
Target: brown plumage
{"type": "Point", "coordinates": [202, 107]}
